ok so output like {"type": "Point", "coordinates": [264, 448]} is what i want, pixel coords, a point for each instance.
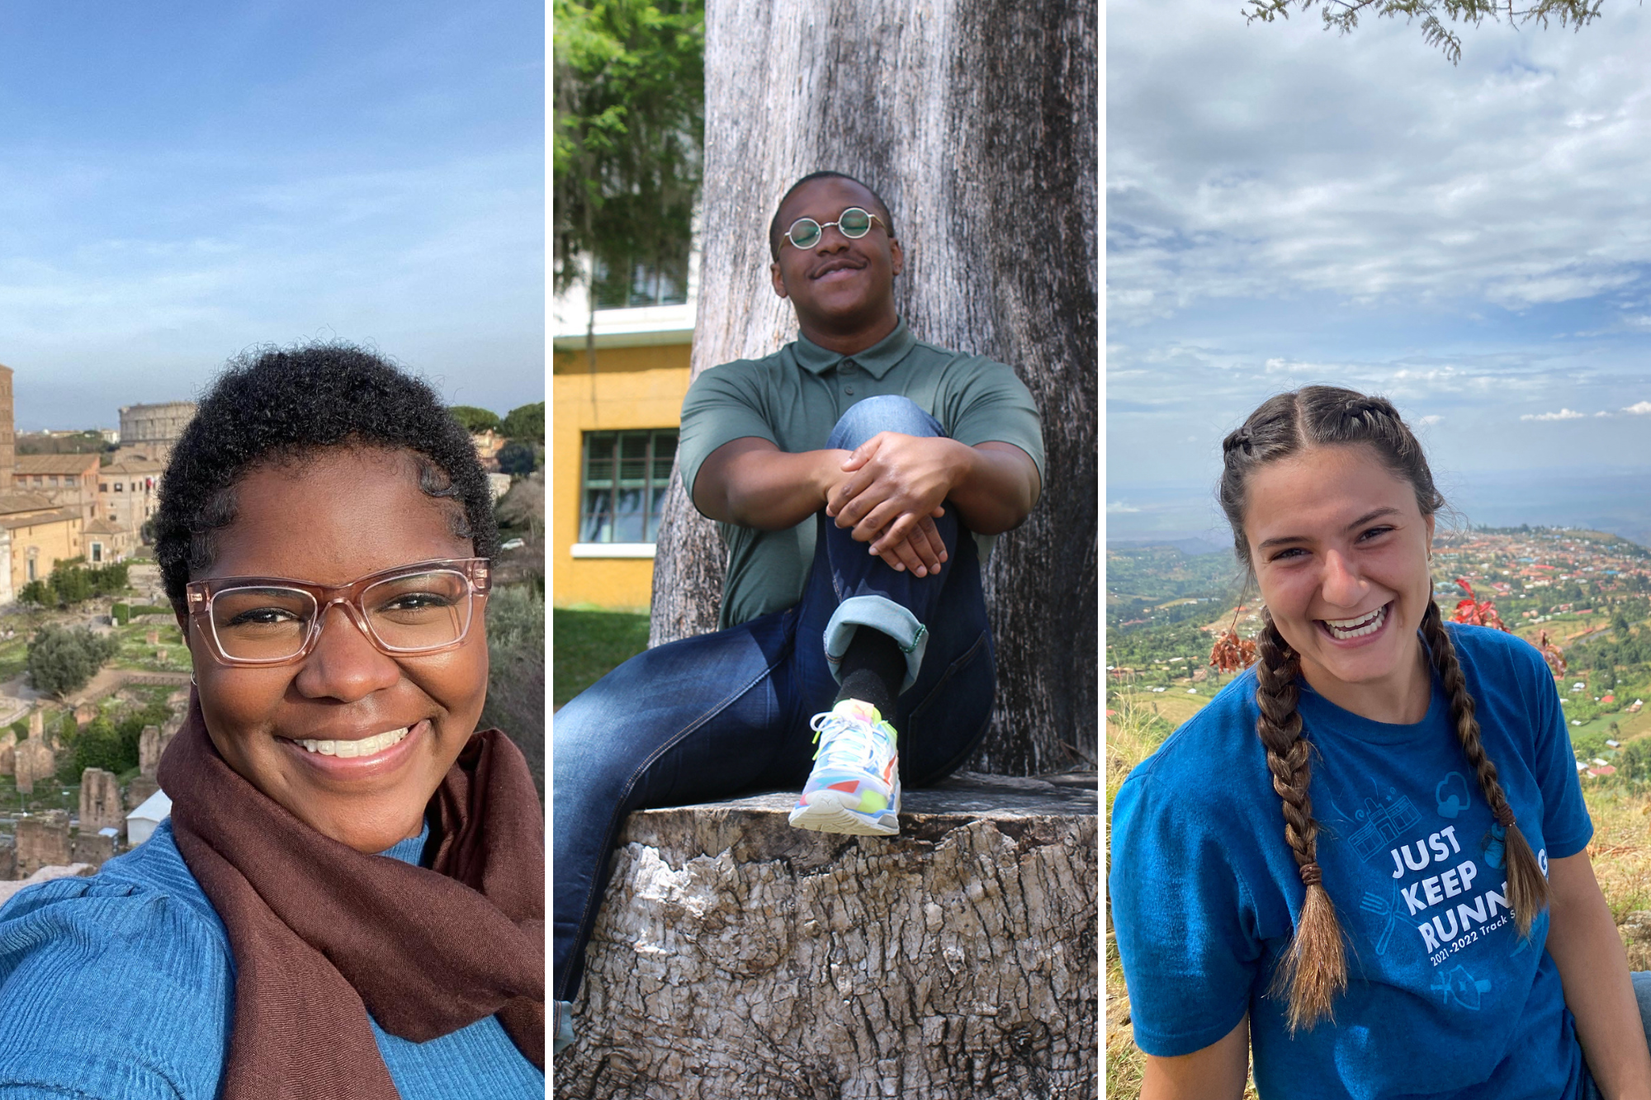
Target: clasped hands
{"type": "Point", "coordinates": [890, 493]}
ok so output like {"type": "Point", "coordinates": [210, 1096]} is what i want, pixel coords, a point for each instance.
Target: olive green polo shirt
{"type": "Point", "coordinates": [794, 398]}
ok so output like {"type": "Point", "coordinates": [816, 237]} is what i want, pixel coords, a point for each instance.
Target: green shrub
{"type": "Point", "coordinates": [63, 659]}
{"type": "Point", "coordinates": [526, 423]}
{"type": "Point", "coordinates": [121, 613]}
{"type": "Point", "coordinates": [99, 746]}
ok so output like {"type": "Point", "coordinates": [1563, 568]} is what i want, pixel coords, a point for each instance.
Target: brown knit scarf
{"type": "Point", "coordinates": [323, 935]}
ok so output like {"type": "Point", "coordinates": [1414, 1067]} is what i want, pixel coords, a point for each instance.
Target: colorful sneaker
{"type": "Point", "coordinates": [855, 784]}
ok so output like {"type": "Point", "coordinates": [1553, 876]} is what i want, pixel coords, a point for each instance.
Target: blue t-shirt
{"type": "Point", "coordinates": [122, 987]}
{"type": "Point", "coordinates": [1444, 999]}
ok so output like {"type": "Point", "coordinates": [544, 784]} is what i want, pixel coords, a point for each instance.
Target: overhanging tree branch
{"type": "Point", "coordinates": [1343, 15]}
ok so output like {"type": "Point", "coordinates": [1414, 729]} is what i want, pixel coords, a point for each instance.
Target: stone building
{"type": "Point", "coordinates": [8, 437]}
{"type": "Point", "coordinates": [100, 806]}
{"type": "Point", "coordinates": [150, 431]}
{"type": "Point", "coordinates": [42, 841]}
{"type": "Point", "coordinates": [128, 493]}
{"type": "Point", "coordinates": [151, 743]}
{"type": "Point", "coordinates": [93, 849]}
{"type": "Point", "coordinates": [139, 790]}
{"type": "Point", "coordinates": [8, 752]}
{"type": "Point", "coordinates": [33, 761]}
{"type": "Point", "coordinates": [37, 534]}
{"type": "Point", "coordinates": [107, 541]}
{"type": "Point", "coordinates": [68, 481]}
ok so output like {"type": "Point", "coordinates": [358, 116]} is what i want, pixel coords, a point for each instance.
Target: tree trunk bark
{"type": "Point", "coordinates": [737, 956]}
{"type": "Point", "coordinates": [976, 122]}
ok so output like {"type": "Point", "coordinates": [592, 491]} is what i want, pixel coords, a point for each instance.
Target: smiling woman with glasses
{"type": "Point", "coordinates": [348, 900]}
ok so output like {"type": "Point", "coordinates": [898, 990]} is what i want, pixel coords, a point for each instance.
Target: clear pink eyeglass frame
{"type": "Point", "coordinates": [477, 572]}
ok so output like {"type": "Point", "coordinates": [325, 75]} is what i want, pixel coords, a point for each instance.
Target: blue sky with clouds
{"type": "Point", "coordinates": [1286, 205]}
{"type": "Point", "coordinates": [183, 180]}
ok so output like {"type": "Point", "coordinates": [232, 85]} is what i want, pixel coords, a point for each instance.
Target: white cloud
{"type": "Point", "coordinates": [1119, 506]}
{"type": "Point", "coordinates": [1430, 420]}
{"type": "Point", "coordinates": [1641, 408]}
{"type": "Point", "coordinates": [1255, 161]}
{"type": "Point", "coordinates": [1562, 414]}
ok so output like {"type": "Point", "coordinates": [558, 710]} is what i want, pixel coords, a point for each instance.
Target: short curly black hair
{"type": "Point", "coordinates": [776, 233]}
{"type": "Point", "coordinates": [282, 404]}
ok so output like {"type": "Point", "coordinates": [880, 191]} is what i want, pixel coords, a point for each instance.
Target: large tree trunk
{"type": "Point", "coordinates": [976, 122]}
{"type": "Point", "coordinates": [737, 956]}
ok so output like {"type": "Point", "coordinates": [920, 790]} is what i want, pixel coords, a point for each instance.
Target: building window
{"type": "Point", "coordinates": [623, 488]}
{"type": "Point", "coordinates": [119, 487]}
{"type": "Point", "coordinates": [103, 486]}
{"type": "Point", "coordinates": [642, 284]}
{"type": "Point", "coordinates": [97, 552]}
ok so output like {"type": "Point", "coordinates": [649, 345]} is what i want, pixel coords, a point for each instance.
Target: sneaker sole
{"type": "Point", "coordinates": [827, 814]}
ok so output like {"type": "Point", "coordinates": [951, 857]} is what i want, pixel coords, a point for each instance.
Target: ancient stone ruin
{"type": "Point", "coordinates": [33, 761]}
{"type": "Point", "coordinates": [93, 849]}
{"type": "Point", "coordinates": [8, 753]}
{"type": "Point", "coordinates": [100, 806]}
{"type": "Point", "coordinates": [42, 841]}
{"type": "Point", "coordinates": [152, 743]}
{"type": "Point", "coordinates": [139, 790]}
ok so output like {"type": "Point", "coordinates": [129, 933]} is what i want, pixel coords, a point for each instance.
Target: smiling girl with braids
{"type": "Point", "coordinates": [1366, 855]}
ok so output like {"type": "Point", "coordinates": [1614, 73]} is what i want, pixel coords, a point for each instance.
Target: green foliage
{"type": "Point", "coordinates": [21, 728]}
{"type": "Point", "coordinates": [629, 137]}
{"type": "Point", "coordinates": [526, 423]}
{"type": "Point", "coordinates": [72, 581]}
{"type": "Point", "coordinates": [591, 643]}
{"type": "Point", "coordinates": [517, 458]}
{"type": "Point", "coordinates": [1634, 762]}
{"type": "Point", "coordinates": [62, 659]}
{"type": "Point", "coordinates": [121, 613]}
{"type": "Point", "coordinates": [475, 420]}
{"type": "Point", "coordinates": [1343, 15]}
{"type": "Point", "coordinates": [99, 746]}
{"type": "Point", "coordinates": [516, 673]}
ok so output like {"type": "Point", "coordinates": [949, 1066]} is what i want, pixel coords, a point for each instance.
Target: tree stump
{"type": "Point", "coordinates": [737, 956]}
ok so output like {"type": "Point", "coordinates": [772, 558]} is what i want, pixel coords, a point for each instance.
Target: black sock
{"type": "Point", "coordinates": [873, 670]}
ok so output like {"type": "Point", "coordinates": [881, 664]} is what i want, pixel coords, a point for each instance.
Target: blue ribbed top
{"type": "Point", "coordinates": [122, 986]}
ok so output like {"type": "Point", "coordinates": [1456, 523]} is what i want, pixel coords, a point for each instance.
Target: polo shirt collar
{"type": "Point", "coordinates": [876, 360]}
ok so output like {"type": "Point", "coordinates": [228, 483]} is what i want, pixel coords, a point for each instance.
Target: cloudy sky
{"type": "Point", "coordinates": [182, 180]}
{"type": "Point", "coordinates": [1286, 205]}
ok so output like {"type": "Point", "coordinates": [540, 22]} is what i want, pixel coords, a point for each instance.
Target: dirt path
{"type": "Point", "coordinates": [110, 680]}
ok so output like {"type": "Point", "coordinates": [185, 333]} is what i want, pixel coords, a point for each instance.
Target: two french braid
{"type": "Point", "coordinates": [1527, 886]}
{"type": "Point", "coordinates": [1313, 970]}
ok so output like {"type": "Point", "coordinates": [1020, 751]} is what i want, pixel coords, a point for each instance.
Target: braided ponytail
{"type": "Point", "coordinates": [1527, 886]}
{"type": "Point", "coordinates": [1313, 971]}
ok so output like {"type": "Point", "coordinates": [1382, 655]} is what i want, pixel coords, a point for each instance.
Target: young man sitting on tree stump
{"type": "Point", "coordinates": [857, 476]}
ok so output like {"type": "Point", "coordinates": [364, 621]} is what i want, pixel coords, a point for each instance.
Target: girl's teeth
{"type": "Point", "coordinates": [1357, 628]}
{"type": "Point", "coordinates": [365, 747]}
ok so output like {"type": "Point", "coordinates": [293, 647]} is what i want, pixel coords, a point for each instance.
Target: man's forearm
{"type": "Point", "coordinates": [752, 483]}
{"type": "Point", "coordinates": [998, 486]}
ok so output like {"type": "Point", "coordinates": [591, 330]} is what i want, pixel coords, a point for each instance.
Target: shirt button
{"type": "Point", "coordinates": [849, 390]}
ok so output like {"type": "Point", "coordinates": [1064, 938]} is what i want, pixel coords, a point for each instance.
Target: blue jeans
{"type": "Point", "coordinates": [708, 717]}
{"type": "Point", "coordinates": [1642, 994]}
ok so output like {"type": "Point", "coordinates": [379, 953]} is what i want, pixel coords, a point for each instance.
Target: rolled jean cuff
{"type": "Point", "coordinates": [879, 613]}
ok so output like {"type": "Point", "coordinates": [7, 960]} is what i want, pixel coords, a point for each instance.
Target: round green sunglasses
{"type": "Point", "coordinates": [852, 223]}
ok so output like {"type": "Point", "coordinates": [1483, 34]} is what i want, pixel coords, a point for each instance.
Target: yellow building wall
{"type": "Point", "coordinates": [53, 539]}
{"type": "Point", "coordinates": [636, 387]}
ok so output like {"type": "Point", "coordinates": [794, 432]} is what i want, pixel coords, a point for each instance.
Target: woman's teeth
{"type": "Point", "coordinates": [1343, 629]}
{"type": "Point", "coordinates": [365, 747]}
